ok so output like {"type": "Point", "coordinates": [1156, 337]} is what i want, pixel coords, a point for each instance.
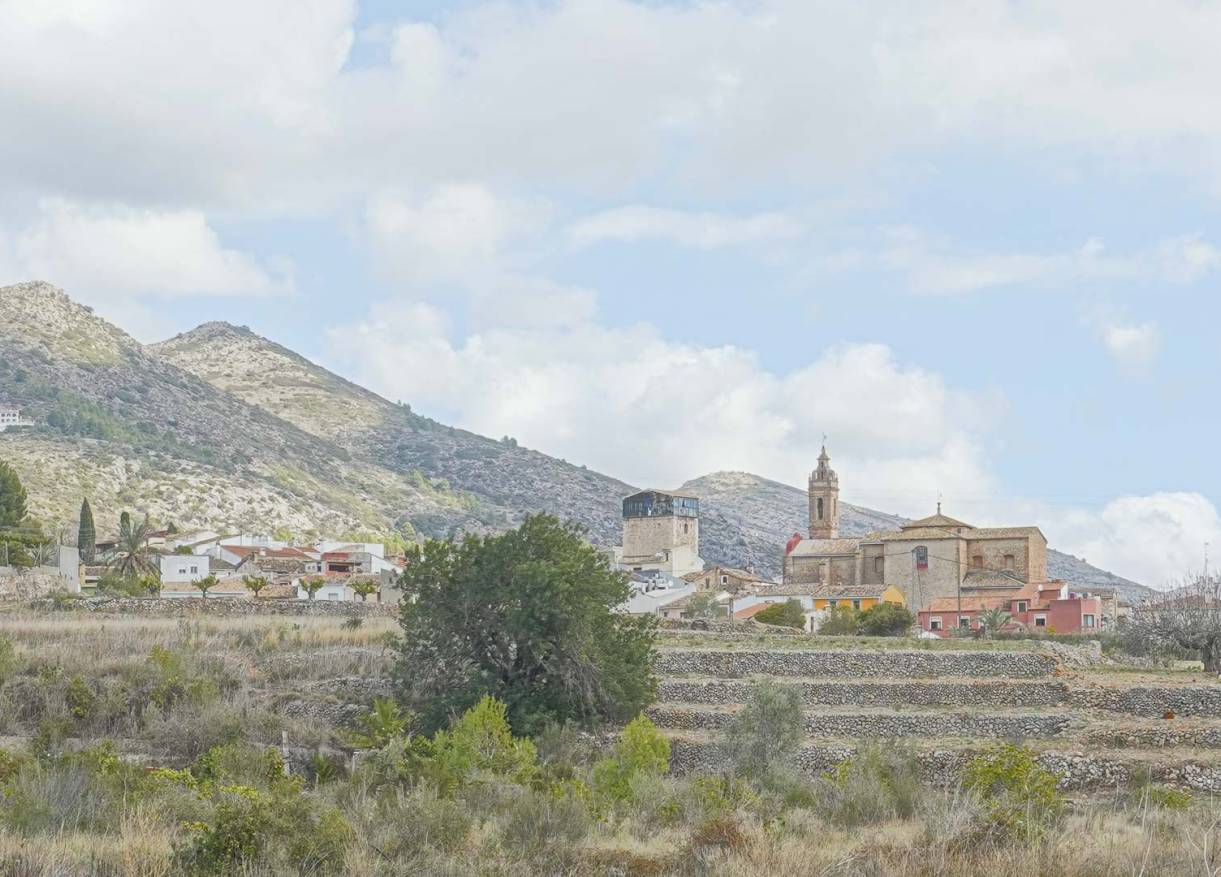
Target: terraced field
{"type": "Point", "coordinates": [1095, 727]}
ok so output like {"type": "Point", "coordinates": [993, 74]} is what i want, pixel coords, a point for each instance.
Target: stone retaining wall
{"type": "Point", "coordinates": [883, 724]}
{"type": "Point", "coordinates": [1151, 700]}
{"type": "Point", "coordinates": [989, 693]}
{"type": "Point", "coordinates": [1075, 770]}
{"type": "Point", "coordinates": [222, 606]}
{"type": "Point", "coordinates": [868, 664]}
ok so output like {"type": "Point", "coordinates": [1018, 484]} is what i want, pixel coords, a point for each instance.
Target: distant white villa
{"type": "Point", "coordinates": [11, 416]}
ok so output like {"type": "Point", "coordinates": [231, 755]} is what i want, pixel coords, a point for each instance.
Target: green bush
{"type": "Point", "coordinates": [765, 734]}
{"type": "Point", "coordinates": [840, 621]}
{"type": "Point", "coordinates": [1020, 795]}
{"type": "Point", "coordinates": [641, 749]}
{"type": "Point", "coordinates": [885, 619]}
{"type": "Point", "coordinates": [786, 614]}
{"type": "Point", "coordinates": [874, 785]}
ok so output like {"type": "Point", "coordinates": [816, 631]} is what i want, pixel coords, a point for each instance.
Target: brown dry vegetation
{"type": "Point", "coordinates": [208, 694]}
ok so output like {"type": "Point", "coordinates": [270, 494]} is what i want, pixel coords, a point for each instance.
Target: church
{"type": "Point", "coordinates": [933, 557]}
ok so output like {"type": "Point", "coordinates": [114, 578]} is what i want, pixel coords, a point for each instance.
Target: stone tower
{"type": "Point", "coordinates": [824, 499]}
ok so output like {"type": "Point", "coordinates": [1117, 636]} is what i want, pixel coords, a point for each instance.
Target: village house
{"type": "Point", "coordinates": [725, 578]}
{"type": "Point", "coordinates": [1036, 606]}
{"type": "Point", "coordinates": [10, 416]}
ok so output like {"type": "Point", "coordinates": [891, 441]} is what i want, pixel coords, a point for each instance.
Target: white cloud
{"type": "Point", "coordinates": [934, 265]}
{"type": "Point", "coordinates": [254, 106]}
{"type": "Point", "coordinates": [117, 257]}
{"type": "Point", "coordinates": [629, 402]}
{"type": "Point", "coordinates": [702, 230]}
{"type": "Point", "coordinates": [1156, 540]}
{"type": "Point", "coordinates": [1135, 346]}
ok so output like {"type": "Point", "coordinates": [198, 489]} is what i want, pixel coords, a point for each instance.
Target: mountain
{"type": "Point", "coordinates": [220, 427]}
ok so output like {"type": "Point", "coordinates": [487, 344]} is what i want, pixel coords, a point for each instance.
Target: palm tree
{"type": "Point", "coordinates": [132, 557]}
{"type": "Point", "coordinates": [255, 584]}
{"type": "Point", "coordinates": [384, 723]}
{"type": "Point", "coordinates": [994, 619]}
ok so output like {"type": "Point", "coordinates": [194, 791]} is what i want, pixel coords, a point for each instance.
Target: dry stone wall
{"type": "Point", "coordinates": [983, 693]}
{"type": "Point", "coordinates": [875, 664]}
{"type": "Point", "coordinates": [1074, 770]}
{"type": "Point", "coordinates": [220, 606]}
{"type": "Point", "coordinates": [884, 724]}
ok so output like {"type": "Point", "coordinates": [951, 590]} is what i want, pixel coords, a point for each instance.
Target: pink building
{"type": "Point", "coordinates": [1038, 606]}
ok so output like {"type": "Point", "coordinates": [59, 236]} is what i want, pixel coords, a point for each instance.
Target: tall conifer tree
{"type": "Point", "coordinates": [86, 540]}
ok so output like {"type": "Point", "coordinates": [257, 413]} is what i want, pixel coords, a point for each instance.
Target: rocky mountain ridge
{"type": "Point", "coordinates": [221, 427]}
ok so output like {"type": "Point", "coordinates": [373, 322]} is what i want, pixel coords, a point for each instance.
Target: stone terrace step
{"type": "Point", "coordinates": [866, 664]}
{"type": "Point", "coordinates": [1078, 769]}
{"type": "Point", "coordinates": [837, 692]}
{"type": "Point", "coordinates": [1202, 700]}
{"type": "Point", "coordinates": [880, 724]}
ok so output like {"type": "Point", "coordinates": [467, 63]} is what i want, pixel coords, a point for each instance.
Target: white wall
{"type": "Point", "coordinates": [184, 568]}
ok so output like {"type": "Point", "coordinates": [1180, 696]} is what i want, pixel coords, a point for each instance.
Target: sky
{"type": "Point", "coordinates": [977, 246]}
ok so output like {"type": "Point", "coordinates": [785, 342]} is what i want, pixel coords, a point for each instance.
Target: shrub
{"type": "Point", "coordinates": [786, 614]}
{"type": "Point", "coordinates": [480, 741]}
{"type": "Point", "coordinates": [641, 749]}
{"type": "Point", "coordinates": [234, 836]}
{"type": "Point", "coordinates": [885, 619]}
{"type": "Point", "coordinates": [874, 785]}
{"type": "Point", "coordinates": [538, 822]}
{"type": "Point", "coordinates": [383, 723]}
{"type": "Point", "coordinates": [1020, 795]}
{"type": "Point", "coordinates": [767, 732]}
{"type": "Point", "coordinates": [840, 621]}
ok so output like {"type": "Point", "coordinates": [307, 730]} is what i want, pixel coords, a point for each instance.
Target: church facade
{"type": "Point", "coordinates": [933, 557]}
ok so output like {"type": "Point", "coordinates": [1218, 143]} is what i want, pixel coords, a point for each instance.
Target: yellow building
{"type": "Point", "coordinates": [855, 596]}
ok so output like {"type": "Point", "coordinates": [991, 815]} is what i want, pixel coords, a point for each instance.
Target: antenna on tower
{"type": "Point", "coordinates": [939, 502]}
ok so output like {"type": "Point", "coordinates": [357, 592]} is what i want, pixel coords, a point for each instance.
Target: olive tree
{"type": "Point", "coordinates": [1188, 616]}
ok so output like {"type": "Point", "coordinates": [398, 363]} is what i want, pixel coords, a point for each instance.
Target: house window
{"type": "Point", "coordinates": [964, 621]}
{"type": "Point", "coordinates": [1009, 562]}
{"type": "Point", "coordinates": [921, 557]}
{"type": "Point", "coordinates": [1022, 604]}
{"type": "Point", "coordinates": [1040, 621]}
{"type": "Point", "coordinates": [182, 570]}
{"type": "Point", "coordinates": [879, 565]}
{"type": "Point", "coordinates": [977, 561]}
{"type": "Point", "coordinates": [934, 624]}
{"type": "Point", "coordinates": [684, 527]}
{"type": "Point", "coordinates": [194, 569]}
{"type": "Point", "coordinates": [1087, 620]}
{"type": "Point", "coordinates": [856, 604]}
{"type": "Point", "coordinates": [724, 580]}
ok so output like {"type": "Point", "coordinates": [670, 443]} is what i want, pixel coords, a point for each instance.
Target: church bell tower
{"type": "Point", "coordinates": [824, 499]}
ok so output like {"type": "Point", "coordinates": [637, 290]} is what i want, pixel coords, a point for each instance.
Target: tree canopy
{"type": "Point", "coordinates": [526, 617]}
{"type": "Point", "coordinates": [786, 614]}
{"type": "Point", "coordinates": [885, 619]}
{"type": "Point", "coordinates": [86, 538]}
{"type": "Point", "coordinates": [12, 497]}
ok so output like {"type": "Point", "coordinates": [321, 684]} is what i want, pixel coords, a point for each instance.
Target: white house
{"type": "Point", "coordinates": [10, 415]}
{"type": "Point", "coordinates": [652, 591]}
{"type": "Point", "coordinates": [182, 569]}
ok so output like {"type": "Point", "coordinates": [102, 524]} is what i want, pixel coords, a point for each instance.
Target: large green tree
{"type": "Point", "coordinates": [527, 617]}
{"type": "Point", "coordinates": [12, 497]}
{"type": "Point", "coordinates": [86, 537]}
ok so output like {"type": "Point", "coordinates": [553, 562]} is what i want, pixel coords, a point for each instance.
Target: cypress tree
{"type": "Point", "coordinates": [12, 497]}
{"type": "Point", "coordinates": [86, 540]}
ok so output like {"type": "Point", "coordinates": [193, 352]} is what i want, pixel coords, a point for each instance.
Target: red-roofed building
{"type": "Point", "coordinates": [1045, 606]}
